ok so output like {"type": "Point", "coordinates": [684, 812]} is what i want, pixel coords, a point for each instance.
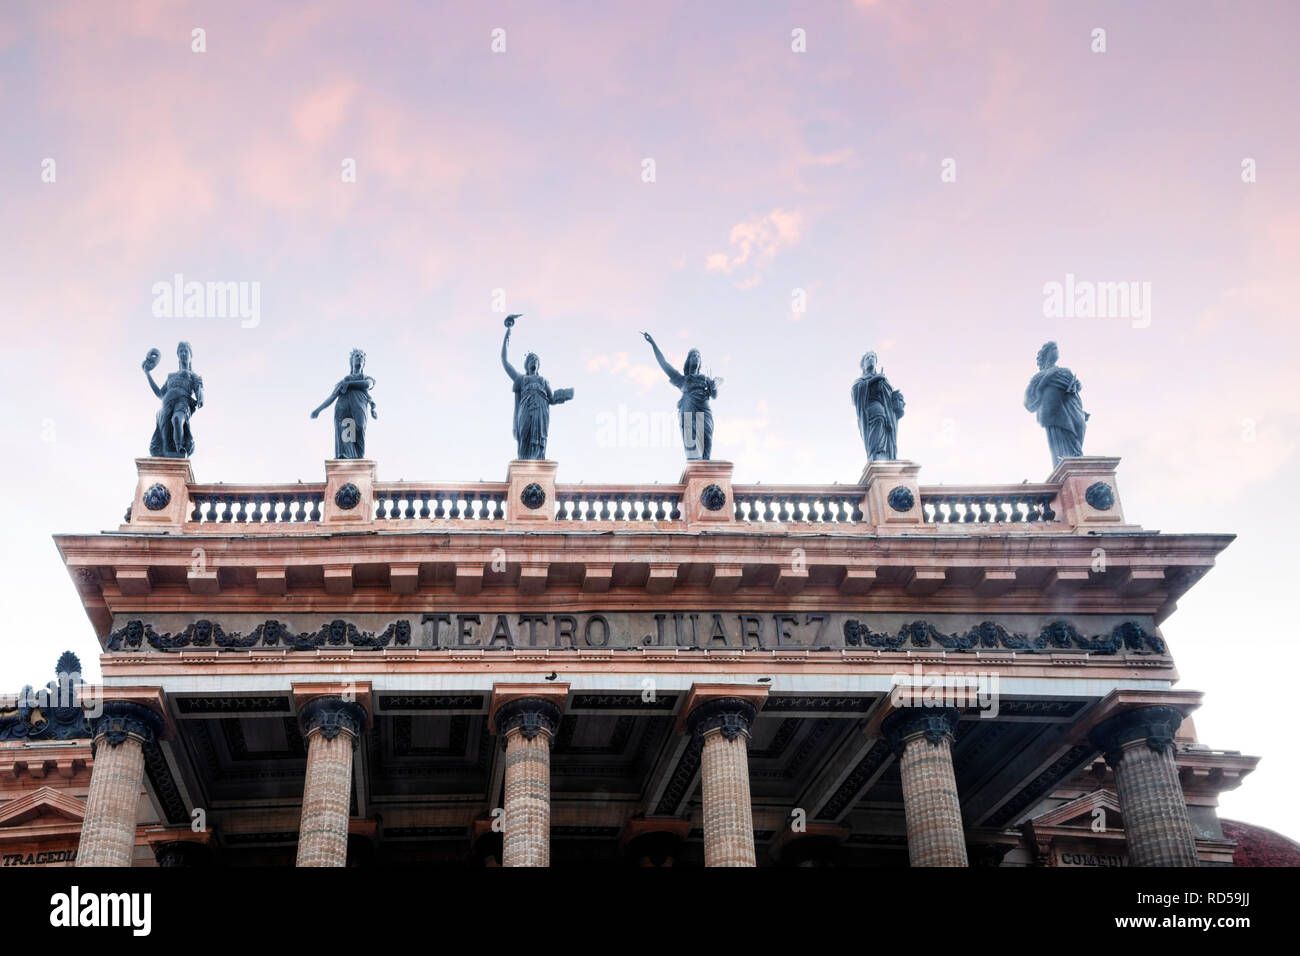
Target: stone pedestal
{"type": "Point", "coordinates": [721, 728]}
{"type": "Point", "coordinates": [706, 496]}
{"type": "Point", "coordinates": [162, 499]}
{"type": "Point", "coordinates": [332, 726]}
{"type": "Point", "coordinates": [527, 726]}
{"type": "Point", "coordinates": [1139, 746]}
{"type": "Point", "coordinates": [349, 491]}
{"type": "Point", "coordinates": [1089, 497]}
{"type": "Point", "coordinates": [121, 733]}
{"type": "Point", "coordinates": [893, 495]}
{"type": "Point", "coordinates": [530, 495]}
{"type": "Point", "coordinates": [922, 738]}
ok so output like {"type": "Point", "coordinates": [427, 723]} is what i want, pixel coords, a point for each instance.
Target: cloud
{"type": "Point", "coordinates": [755, 243]}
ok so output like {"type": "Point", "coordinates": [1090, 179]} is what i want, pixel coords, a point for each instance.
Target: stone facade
{"type": "Point", "coordinates": [640, 675]}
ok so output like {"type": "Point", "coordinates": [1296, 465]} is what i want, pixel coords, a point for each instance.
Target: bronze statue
{"type": "Point", "coordinates": [182, 395]}
{"type": "Point", "coordinates": [1054, 394]}
{"type": "Point", "coordinates": [533, 401]}
{"type": "Point", "coordinates": [879, 409]}
{"type": "Point", "coordinates": [694, 416]}
{"type": "Point", "coordinates": [351, 398]}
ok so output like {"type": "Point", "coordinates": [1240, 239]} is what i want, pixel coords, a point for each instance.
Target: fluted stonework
{"type": "Point", "coordinates": [722, 728]}
{"type": "Point", "coordinates": [331, 726]}
{"type": "Point", "coordinates": [922, 738]}
{"type": "Point", "coordinates": [528, 726]}
{"type": "Point", "coordinates": [121, 733]}
{"type": "Point", "coordinates": [1139, 746]}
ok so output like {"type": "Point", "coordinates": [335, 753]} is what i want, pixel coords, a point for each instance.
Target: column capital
{"type": "Point", "coordinates": [331, 715]}
{"type": "Point", "coordinates": [934, 723]}
{"type": "Point", "coordinates": [732, 715]}
{"type": "Point", "coordinates": [529, 715]}
{"type": "Point", "coordinates": [120, 719]}
{"type": "Point", "coordinates": [1157, 724]}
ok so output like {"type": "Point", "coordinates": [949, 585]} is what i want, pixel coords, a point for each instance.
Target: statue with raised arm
{"type": "Point", "coordinates": [879, 408]}
{"type": "Point", "coordinates": [351, 399]}
{"type": "Point", "coordinates": [533, 401]}
{"type": "Point", "coordinates": [182, 395]}
{"type": "Point", "coordinates": [1053, 393]}
{"type": "Point", "coordinates": [693, 413]}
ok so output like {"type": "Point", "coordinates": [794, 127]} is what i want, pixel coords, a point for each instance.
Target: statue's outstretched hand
{"type": "Point", "coordinates": [316, 413]}
{"type": "Point", "coordinates": [648, 338]}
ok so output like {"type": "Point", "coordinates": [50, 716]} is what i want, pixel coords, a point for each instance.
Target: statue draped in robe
{"type": "Point", "coordinates": [533, 401]}
{"type": "Point", "coordinates": [879, 408]}
{"type": "Point", "coordinates": [1053, 394]}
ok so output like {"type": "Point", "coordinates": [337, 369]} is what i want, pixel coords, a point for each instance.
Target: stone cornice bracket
{"type": "Point", "coordinates": [1156, 725]}
{"type": "Point", "coordinates": [531, 716]}
{"type": "Point", "coordinates": [731, 715]}
{"type": "Point", "coordinates": [934, 723]}
{"type": "Point", "coordinates": [332, 715]}
{"type": "Point", "coordinates": [121, 719]}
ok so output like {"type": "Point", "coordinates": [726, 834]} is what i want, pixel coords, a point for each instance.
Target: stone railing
{"type": "Point", "coordinates": [1080, 496]}
{"type": "Point", "coordinates": [472, 503]}
{"type": "Point", "coordinates": [969, 504]}
{"type": "Point", "coordinates": [255, 504]}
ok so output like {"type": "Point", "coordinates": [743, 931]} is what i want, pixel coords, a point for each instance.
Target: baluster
{"type": "Point", "coordinates": [677, 508]}
{"type": "Point", "coordinates": [1016, 502]}
{"type": "Point", "coordinates": [198, 504]}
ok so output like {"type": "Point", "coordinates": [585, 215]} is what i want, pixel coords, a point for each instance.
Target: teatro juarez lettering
{"type": "Point", "coordinates": [662, 629]}
{"type": "Point", "coordinates": [718, 630]}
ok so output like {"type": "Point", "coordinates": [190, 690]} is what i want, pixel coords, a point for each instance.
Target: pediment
{"type": "Point", "coordinates": [1080, 813]}
{"type": "Point", "coordinates": [44, 804]}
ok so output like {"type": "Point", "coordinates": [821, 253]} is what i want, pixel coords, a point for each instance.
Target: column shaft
{"type": "Point", "coordinates": [326, 801]}
{"type": "Point", "coordinates": [934, 829]}
{"type": "Point", "coordinates": [121, 732]}
{"type": "Point", "coordinates": [527, 832]}
{"type": "Point", "coordinates": [721, 728]}
{"type": "Point", "coordinates": [331, 726]}
{"type": "Point", "coordinates": [108, 828]}
{"type": "Point", "coordinates": [728, 817]}
{"type": "Point", "coordinates": [1139, 746]}
{"type": "Point", "coordinates": [922, 737]}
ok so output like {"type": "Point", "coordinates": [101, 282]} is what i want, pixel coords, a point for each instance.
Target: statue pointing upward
{"type": "Point", "coordinates": [694, 416]}
{"type": "Point", "coordinates": [533, 401]}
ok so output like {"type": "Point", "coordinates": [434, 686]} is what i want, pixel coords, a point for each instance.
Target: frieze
{"type": "Point", "coordinates": [703, 630]}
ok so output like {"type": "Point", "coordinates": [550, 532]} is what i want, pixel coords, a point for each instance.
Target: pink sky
{"type": "Point", "coordinates": [774, 171]}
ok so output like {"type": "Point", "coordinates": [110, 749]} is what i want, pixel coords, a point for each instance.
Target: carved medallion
{"type": "Point", "coordinates": [533, 496]}
{"type": "Point", "coordinates": [348, 496]}
{"type": "Point", "coordinates": [156, 498]}
{"type": "Point", "coordinates": [713, 498]}
{"type": "Point", "coordinates": [901, 499]}
{"type": "Point", "coordinates": [1100, 495]}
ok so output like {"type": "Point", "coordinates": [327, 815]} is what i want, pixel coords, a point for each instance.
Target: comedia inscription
{"type": "Point", "coordinates": [711, 630]}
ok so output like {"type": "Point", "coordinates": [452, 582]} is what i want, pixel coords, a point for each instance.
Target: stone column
{"type": "Point", "coordinates": [721, 729]}
{"type": "Point", "coordinates": [527, 726]}
{"type": "Point", "coordinates": [332, 726]}
{"type": "Point", "coordinates": [120, 734]}
{"type": "Point", "coordinates": [922, 739]}
{"type": "Point", "coordinates": [1139, 746]}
